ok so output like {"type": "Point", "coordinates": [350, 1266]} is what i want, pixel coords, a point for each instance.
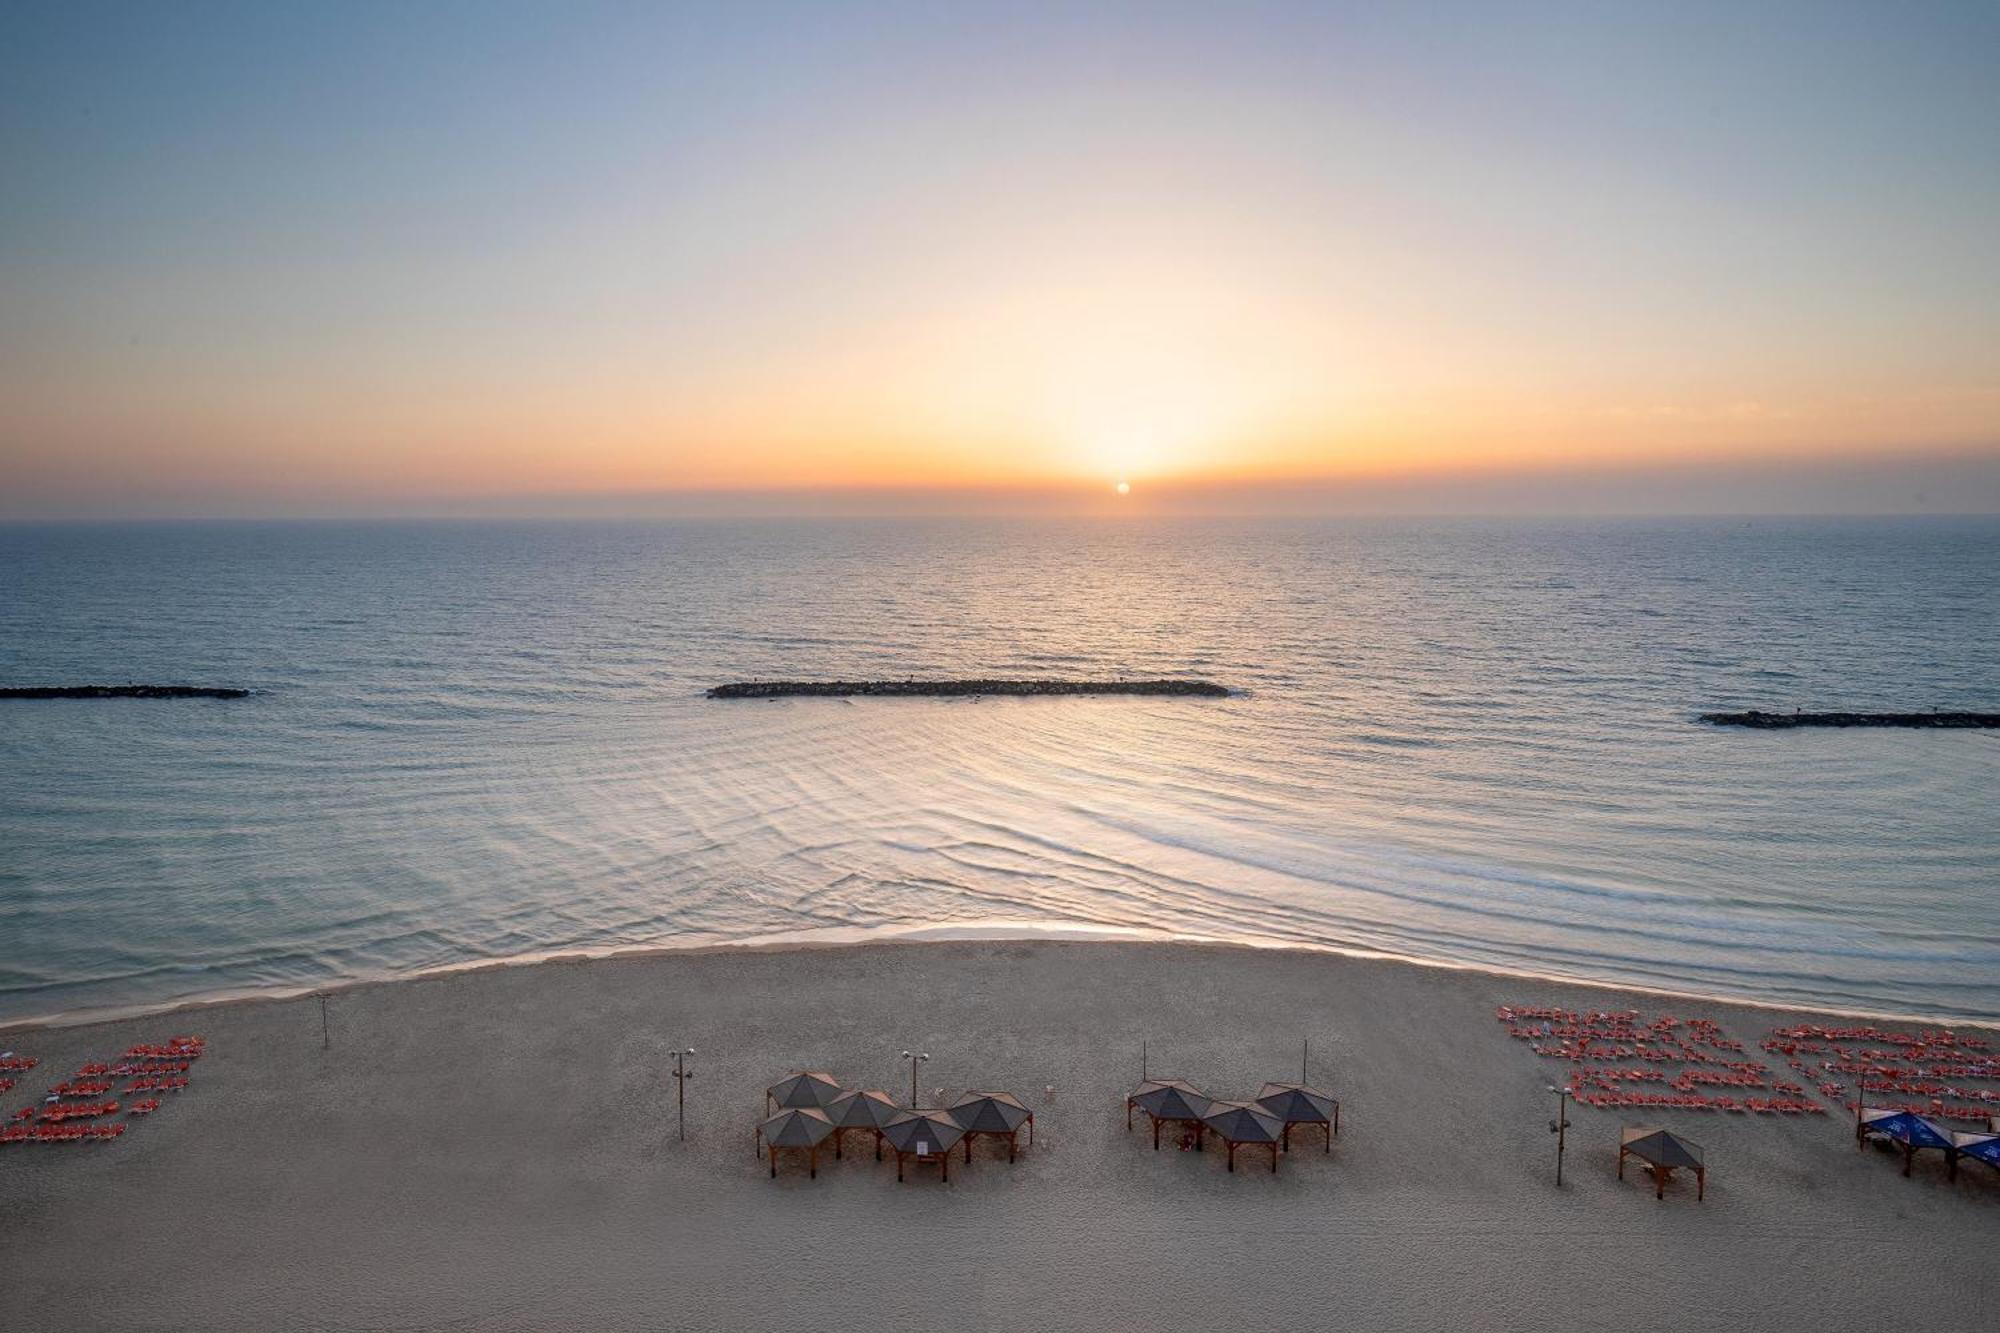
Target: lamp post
{"type": "Point", "coordinates": [915, 1059]}
{"type": "Point", "coordinates": [681, 1075]}
{"type": "Point", "coordinates": [1560, 1125]}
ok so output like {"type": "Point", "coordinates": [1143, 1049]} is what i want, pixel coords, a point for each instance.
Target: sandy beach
{"type": "Point", "coordinates": [496, 1150]}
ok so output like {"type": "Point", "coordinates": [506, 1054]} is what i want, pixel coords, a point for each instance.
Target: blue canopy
{"type": "Point", "coordinates": [1986, 1147]}
{"type": "Point", "coordinates": [1905, 1127]}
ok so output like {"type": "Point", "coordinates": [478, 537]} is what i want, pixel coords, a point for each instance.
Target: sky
{"type": "Point", "coordinates": [273, 259]}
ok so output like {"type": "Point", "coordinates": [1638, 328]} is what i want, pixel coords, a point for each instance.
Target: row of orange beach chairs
{"type": "Point", "coordinates": [1935, 1110]}
{"type": "Point", "coordinates": [1940, 1038]}
{"type": "Point", "coordinates": [1608, 1078]}
{"type": "Point", "coordinates": [60, 1133]}
{"type": "Point", "coordinates": [1592, 1039]}
{"type": "Point", "coordinates": [75, 1110]}
{"type": "Point", "coordinates": [1694, 1101]}
{"type": "Point", "coordinates": [1930, 1069]}
{"type": "Point", "coordinates": [1601, 1035]}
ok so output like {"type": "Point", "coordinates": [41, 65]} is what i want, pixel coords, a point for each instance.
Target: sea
{"type": "Point", "coordinates": [1463, 741]}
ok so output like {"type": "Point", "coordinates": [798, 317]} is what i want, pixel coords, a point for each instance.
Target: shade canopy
{"type": "Point", "coordinates": [989, 1113]}
{"type": "Point", "coordinates": [1171, 1099]}
{"type": "Point", "coordinates": [1243, 1122]}
{"type": "Point", "coordinates": [1986, 1147]}
{"type": "Point", "coordinates": [1296, 1104]}
{"type": "Point", "coordinates": [806, 1089]}
{"type": "Point", "coordinates": [1905, 1127]}
{"type": "Point", "coordinates": [1660, 1147]}
{"type": "Point", "coordinates": [928, 1132]}
{"type": "Point", "coordinates": [796, 1127]}
{"type": "Point", "coordinates": [869, 1108]}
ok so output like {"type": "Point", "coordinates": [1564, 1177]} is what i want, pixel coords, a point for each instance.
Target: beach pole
{"type": "Point", "coordinates": [1305, 1053]}
{"type": "Point", "coordinates": [325, 1033]}
{"type": "Point", "coordinates": [681, 1075]}
{"type": "Point", "coordinates": [915, 1060]}
{"type": "Point", "coordinates": [1559, 1127]}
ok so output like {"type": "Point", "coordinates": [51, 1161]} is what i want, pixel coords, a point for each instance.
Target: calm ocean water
{"type": "Point", "coordinates": [1460, 740]}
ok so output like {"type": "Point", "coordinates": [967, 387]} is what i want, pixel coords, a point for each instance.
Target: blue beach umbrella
{"type": "Point", "coordinates": [1906, 1129]}
{"type": "Point", "coordinates": [1982, 1147]}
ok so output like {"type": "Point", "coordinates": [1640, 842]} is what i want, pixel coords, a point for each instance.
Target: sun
{"type": "Point", "coordinates": [1123, 488]}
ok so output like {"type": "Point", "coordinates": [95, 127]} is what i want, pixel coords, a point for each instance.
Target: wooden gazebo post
{"type": "Point", "coordinates": [944, 1162]}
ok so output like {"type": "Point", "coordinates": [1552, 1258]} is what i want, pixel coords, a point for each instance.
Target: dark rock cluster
{"type": "Point", "coordinates": [121, 692]}
{"type": "Point", "coordinates": [1783, 721]}
{"type": "Point", "coordinates": [840, 689]}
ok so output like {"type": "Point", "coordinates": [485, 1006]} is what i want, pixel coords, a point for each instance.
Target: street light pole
{"type": "Point", "coordinates": [915, 1060]}
{"type": "Point", "coordinates": [1559, 1126]}
{"type": "Point", "coordinates": [681, 1075]}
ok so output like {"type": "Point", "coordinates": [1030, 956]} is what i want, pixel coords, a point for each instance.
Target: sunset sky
{"type": "Point", "coordinates": [273, 259]}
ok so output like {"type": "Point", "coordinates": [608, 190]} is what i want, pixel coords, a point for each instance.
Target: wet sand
{"type": "Point", "coordinates": [496, 1150]}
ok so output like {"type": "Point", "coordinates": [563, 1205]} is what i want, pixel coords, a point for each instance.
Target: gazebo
{"type": "Point", "coordinates": [928, 1136]}
{"type": "Point", "coordinates": [868, 1109]}
{"type": "Point", "coordinates": [796, 1127]}
{"type": "Point", "coordinates": [1663, 1152]}
{"type": "Point", "coordinates": [994, 1114]}
{"type": "Point", "coordinates": [1238, 1123]}
{"type": "Point", "coordinates": [1980, 1147]}
{"type": "Point", "coordinates": [1169, 1101]}
{"type": "Point", "coordinates": [1296, 1104]}
{"type": "Point", "coordinates": [804, 1089]}
{"type": "Point", "coordinates": [1905, 1129]}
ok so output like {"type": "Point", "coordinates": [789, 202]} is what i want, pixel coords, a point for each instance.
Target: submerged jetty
{"type": "Point", "coordinates": [841, 689]}
{"type": "Point", "coordinates": [1786, 721]}
{"type": "Point", "coordinates": [122, 692]}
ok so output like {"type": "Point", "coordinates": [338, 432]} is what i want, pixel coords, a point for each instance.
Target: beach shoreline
{"type": "Point", "coordinates": [496, 1148]}
{"type": "Point", "coordinates": [844, 937]}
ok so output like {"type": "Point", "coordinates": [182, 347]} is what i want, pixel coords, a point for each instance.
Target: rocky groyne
{"type": "Point", "coordinates": [842, 689]}
{"type": "Point", "coordinates": [122, 692]}
{"type": "Point", "coordinates": [1786, 721]}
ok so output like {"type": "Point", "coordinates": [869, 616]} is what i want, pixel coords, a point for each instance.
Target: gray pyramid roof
{"type": "Point", "coordinates": [796, 1127]}
{"type": "Point", "coordinates": [989, 1112]}
{"type": "Point", "coordinates": [869, 1108]}
{"type": "Point", "coordinates": [933, 1127]}
{"type": "Point", "coordinates": [1244, 1122]}
{"type": "Point", "coordinates": [1659, 1146]}
{"type": "Point", "coordinates": [1296, 1104]}
{"type": "Point", "coordinates": [1171, 1099]}
{"type": "Point", "coordinates": [806, 1089]}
